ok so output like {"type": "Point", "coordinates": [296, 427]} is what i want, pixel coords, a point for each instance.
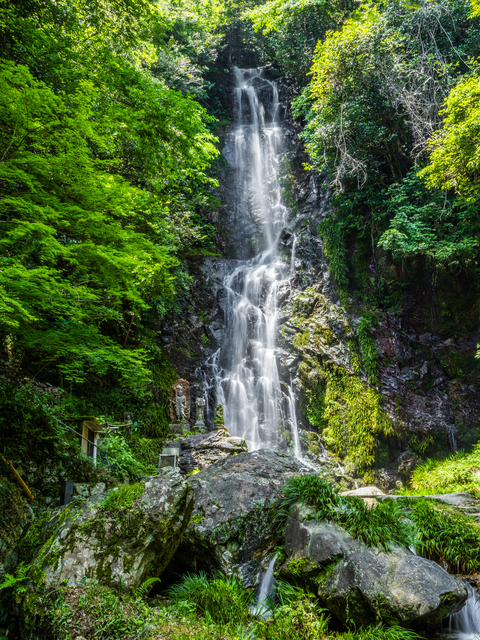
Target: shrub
{"type": "Point", "coordinates": [446, 534]}
{"type": "Point", "coordinates": [221, 599]}
{"type": "Point", "coordinates": [120, 456]}
{"type": "Point", "coordinates": [384, 633]}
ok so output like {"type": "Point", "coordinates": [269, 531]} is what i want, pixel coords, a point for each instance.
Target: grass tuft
{"type": "Point", "coordinates": [446, 534]}
{"type": "Point", "coordinates": [385, 525]}
{"type": "Point", "coordinates": [459, 472]}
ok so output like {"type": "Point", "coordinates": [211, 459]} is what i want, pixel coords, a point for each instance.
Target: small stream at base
{"type": "Point", "coordinates": [266, 592]}
{"type": "Point", "coordinates": [464, 625]}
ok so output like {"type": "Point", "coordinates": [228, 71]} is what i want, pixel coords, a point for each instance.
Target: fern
{"type": "Point", "coordinates": [16, 582]}
{"type": "Point", "coordinates": [145, 587]}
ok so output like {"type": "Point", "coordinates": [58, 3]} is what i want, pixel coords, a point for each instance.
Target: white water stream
{"type": "Point", "coordinates": [266, 591]}
{"type": "Point", "coordinates": [465, 625]}
{"type": "Point", "coordinates": [244, 369]}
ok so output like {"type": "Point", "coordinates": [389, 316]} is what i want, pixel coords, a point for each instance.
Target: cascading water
{"type": "Point", "coordinates": [465, 625]}
{"type": "Point", "coordinates": [244, 369]}
{"type": "Point", "coordinates": [266, 591]}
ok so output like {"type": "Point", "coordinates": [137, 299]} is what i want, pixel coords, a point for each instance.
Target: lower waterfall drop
{"type": "Point", "coordinates": [465, 625]}
{"type": "Point", "coordinates": [266, 591]}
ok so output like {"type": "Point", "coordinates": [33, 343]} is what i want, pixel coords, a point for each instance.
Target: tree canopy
{"type": "Point", "coordinates": [102, 166]}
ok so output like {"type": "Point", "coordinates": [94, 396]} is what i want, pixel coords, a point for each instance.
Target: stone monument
{"type": "Point", "coordinates": [179, 406]}
{"type": "Point", "coordinates": [200, 421]}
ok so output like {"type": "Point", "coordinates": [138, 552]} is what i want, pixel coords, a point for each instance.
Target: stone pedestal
{"type": "Point", "coordinates": [176, 428]}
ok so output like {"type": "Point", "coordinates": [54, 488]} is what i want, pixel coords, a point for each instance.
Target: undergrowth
{"type": "Point", "coordinates": [459, 472]}
{"type": "Point", "coordinates": [222, 598]}
{"type": "Point", "coordinates": [384, 526]}
{"type": "Point", "coordinates": [197, 608]}
{"type": "Point", "coordinates": [446, 534]}
{"type": "Point", "coordinates": [432, 528]}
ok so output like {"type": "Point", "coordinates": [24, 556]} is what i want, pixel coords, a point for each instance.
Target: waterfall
{"type": "Point", "coordinates": [244, 369]}
{"type": "Point", "coordinates": [266, 591]}
{"type": "Point", "coordinates": [465, 625]}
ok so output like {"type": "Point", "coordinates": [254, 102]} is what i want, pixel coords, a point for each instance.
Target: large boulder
{"type": "Point", "coordinates": [200, 451]}
{"type": "Point", "coordinates": [362, 585]}
{"type": "Point", "coordinates": [118, 537]}
{"type": "Point", "coordinates": [232, 527]}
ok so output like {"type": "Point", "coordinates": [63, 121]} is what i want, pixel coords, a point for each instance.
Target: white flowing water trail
{"type": "Point", "coordinates": [266, 591]}
{"type": "Point", "coordinates": [292, 259]}
{"type": "Point", "coordinates": [465, 625]}
{"type": "Point", "coordinates": [244, 369]}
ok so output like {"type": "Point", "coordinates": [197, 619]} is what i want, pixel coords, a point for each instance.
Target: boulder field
{"type": "Point", "coordinates": [223, 518]}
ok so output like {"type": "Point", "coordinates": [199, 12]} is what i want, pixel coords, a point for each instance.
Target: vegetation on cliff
{"type": "Point", "coordinates": [109, 112]}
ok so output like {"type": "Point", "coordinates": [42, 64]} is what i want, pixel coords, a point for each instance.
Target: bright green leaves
{"type": "Point", "coordinates": [78, 245]}
{"type": "Point", "coordinates": [101, 168]}
{"type": "Point", "coordinates": [293, 28]}
{"type": "Point", "coordinates": [354, 416]}
{"type": "Point", "coordinates": [426, 223]}
{"type": "Point", "coordinates": [272, 15]}
{"type": "Point", "coordinates": [349, 118]}
{"type": "Point", "coordinates": [455, 158]}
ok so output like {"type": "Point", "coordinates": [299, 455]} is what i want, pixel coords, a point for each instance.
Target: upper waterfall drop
{"type": "Point", "coordinates": [244, 369]}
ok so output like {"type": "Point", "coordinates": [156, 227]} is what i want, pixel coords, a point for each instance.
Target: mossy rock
{"type": "Point", "coordinates": [121, 538]}
{"type": "Point", "coordinates": [362, 585]}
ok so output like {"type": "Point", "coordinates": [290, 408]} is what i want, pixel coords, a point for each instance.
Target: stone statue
{"type": "Point", "coordinates": [200, 411]}
{"type": "Point", "coordinates": [180, 405]}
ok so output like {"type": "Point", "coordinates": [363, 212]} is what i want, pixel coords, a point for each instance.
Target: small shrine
{"type": "Point", "coordinates": [179, 406]}
{"type": "Point", "coordinates": [89, 429]}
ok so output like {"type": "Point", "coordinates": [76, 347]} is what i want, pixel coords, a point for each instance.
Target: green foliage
{"type": "Point", "coordinates": [368, 347]}
{"type": "Point", "coordinates": [112, 614]}
{"type": "Point", "coordinates": [385, 525]}
{"type": "Point", "coordinates": [455, 148]}
{"type": "Point", "coordinates": [122, 498]}
{"type": "Point", "coordinates": [16, 583]}
{"type": "Point", "coordinates": [13, 508]}
{"type": "Point", "coordinates": [221, 599]}
{"type": "Point", "coordinates": [457, 472]}
{"type": "Point", "coordinates": [378, 84]}
{"type": "Point", "coordinates": [446, 534]}
{"type": "Point", "coordinates": [146, 586]}
{"type": "Point", "coordinates": [333, 238]}
{"type": "Point", "coordinates": [299, 617]}
{"type": "Point", "coordinates": [382, 633]}
{"type": "Point", "coordinates": [102, 185]}
{"type": "Point", "coordinates": [439, 531]}
{"type": "Point", "coordinates": [353, 415]}
{"type": "Point", "coordinates": [424, 222]}
{"type": "Point", "coordinates": [365, 123]}
{"type": "Point", "coordinates": [120, 455]}
{"type": "Point", "coordinates": [293, 28]}
{"type": "Point", "coordinates": [33, 436]}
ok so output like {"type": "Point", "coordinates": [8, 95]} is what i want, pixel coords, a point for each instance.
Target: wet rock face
{"type": "Point", "coordinates": [112, 544]}
{"type": "Point", "coordinates": [365, 585]}
{"type": "Point", "coordinates": [232, 526]}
